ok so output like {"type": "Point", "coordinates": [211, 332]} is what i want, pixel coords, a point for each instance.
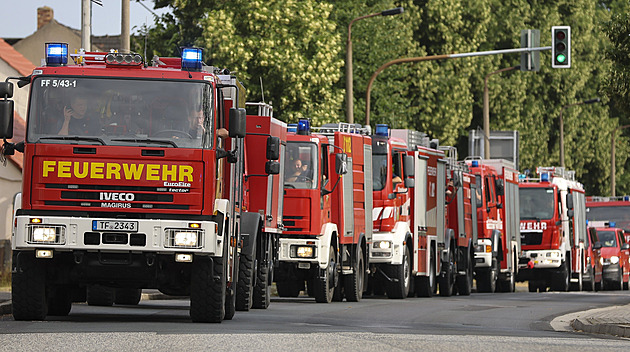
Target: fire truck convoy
{"type": "Point", "coordinates": [424, 217]}
{"type": "Point", "coordinates": [553, 231]}
{"type": "Point", "coordinates": [131, 181]}
{"type": "Point", "coordinates": [499, 245]}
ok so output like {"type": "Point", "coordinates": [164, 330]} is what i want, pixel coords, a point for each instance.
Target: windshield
{"type": "Point", "coordinates": [121, 112]}
{"type": "Point", "coordinates": [379, 171]}
{"type": "Point", "coordinates": [536, 203]}
{"type": "Point", "coordinates": [619, 214]}
{"type": "Point", "coordinates": [301, 165]}
{"type": "Point", "coordinates": [607, 238]}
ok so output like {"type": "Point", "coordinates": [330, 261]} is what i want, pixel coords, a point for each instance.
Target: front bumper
{"type": "Point", "coordinates": [290, 247]}
{"type": "Point", "coordinates": [384, 250]}
{"type": "Point", "coordinates": [150, 235]}
{"type": "Point", "coordinates": [544, 259]}
{"type": "Point", "coordinates": [610, 272]}
{"type": "Point", "coordinates": [483, 257]}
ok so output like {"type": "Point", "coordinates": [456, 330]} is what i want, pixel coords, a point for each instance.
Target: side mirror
{"type": "Point", "coordinates": [499, 205]}
{"type": "Point", "coordinates": [6, 118]}
{"type": "Point", "coordinates": [391, 196]}
{"type": "Point", "coordinates": [500, 187]}
{"type": "Point", "coordinates": [625, 246]}
{"type": "Point", "coordinates": [597, 245]}
{"type": "Point", "coordinates": [6, 90]}
{"type": "Point", "coordinates": [409, 182]}
{"type": "Point", "coordinates": [569, 201]}
{"type": "Point", "coordinates": [273, 148]}
{"type": "Point", "coordinates": [238, 123]}
{"type": "Point", "coordinates": [341, 163]}
{"type": "Point", "coordinates": [272, 167]}
{"type": "Point", "coordinates": [409, 166]}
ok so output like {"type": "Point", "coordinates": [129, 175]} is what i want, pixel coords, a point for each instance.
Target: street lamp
{"type": "Point", "coordinates": [612, 159]}
{"type": "Point", "coordinates": [486, 110]}
{"type": "Point", "coordinates": [590, 101]}
{"type": "Point", "coordinates": [349, 87]}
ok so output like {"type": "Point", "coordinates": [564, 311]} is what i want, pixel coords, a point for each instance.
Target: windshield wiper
{"type": "Point", "coordinates": [530, 218]}
{"type": "Point", "coordinates": [145, 140]}
{"type": "Point", "coordinates": [75, 138]}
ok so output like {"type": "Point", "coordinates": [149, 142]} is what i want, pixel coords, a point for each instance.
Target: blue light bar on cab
{"type": "Point", "coordinates": [292, 127]}
{"type": "Point", "coordinates": [304, 126]}
{"type": "Point", "coordinates": [626, 198]}
{"type": "Point", "coordinates": [612, 224]}
{"type": "Point", "coordinates": [191, 59]}
{"type": "Point", "coordinates": [544, 177]}
{"type": "Point", "coordinates": [56, 54]}
{"type": "Point", "coordinates": [475, 163]}
{"type": "Point", "coordinates": [381, 130]}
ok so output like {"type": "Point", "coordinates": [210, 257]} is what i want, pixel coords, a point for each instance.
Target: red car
{"type": "Point", "coordinates": [593, 266]}
{"type": "Point", "coordinates": [615, 257]}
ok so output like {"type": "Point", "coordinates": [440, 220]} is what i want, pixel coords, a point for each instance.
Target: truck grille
{"type": "Point", "coordinates": [531, 238]}
{"type": "Point", "coordinates": [293, 223]}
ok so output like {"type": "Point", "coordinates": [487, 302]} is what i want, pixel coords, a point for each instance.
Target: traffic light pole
{"type": "Point", "coordinates": [438, 57]}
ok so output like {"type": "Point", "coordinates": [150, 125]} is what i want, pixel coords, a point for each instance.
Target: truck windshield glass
{"type": "Point", "coordinates": [128, 112]}
{"type": "Point", "coordinates": [619, 214]}
{"type": "Point", "coordinates": [301, 165]}
{"type": "Point", "coordinates": [536, 203]}
{"type": "Point", "coordinates": [379, 171]}
{"type": "Point", "coordinates": [607, 238]}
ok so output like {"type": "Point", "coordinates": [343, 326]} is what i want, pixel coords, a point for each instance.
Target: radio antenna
{"type": "Point", "coordinates": [262, 90]}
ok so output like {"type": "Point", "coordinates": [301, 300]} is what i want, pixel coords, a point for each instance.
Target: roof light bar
{"type": "Point", "coordinates": [544, 177]}
{"type": "Point", "coordinates": [475, 163]}
{"type": "Point", "coordinates": [123, 59]}
{"type": "Point", "coordinates": [292, 127]}
{"type": "Point", "coordinates": [381, 130]}
{"type": "Point", "coordinates": [191, 59]}
{"type": "Point", "coordinates": [56, 54]}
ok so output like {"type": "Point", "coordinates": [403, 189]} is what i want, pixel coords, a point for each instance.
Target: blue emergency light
{"type": "Point", "coordinates": [612, 224]}
{"type": "Point", "coordinates": [475, 163]}
{"type": "Point", "coordinates": [56, 54]}
{"type": "Point", "coordinates": [626, 198]}
{"type": "Point", "coordinates": [292, 127]}
{"type": "Point", "coordinates": [381, 130]}
{"type": "Point", "coordinates": [544, 177]}
{"type": "Point", "coordinates": [191, 59]}
{"type": "Point", "coordinates": [304, 126]}
{"type": "Point", "coordinates": [521, 177]}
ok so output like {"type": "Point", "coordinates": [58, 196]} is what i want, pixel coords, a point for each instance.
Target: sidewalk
{"type": "Point", "coordinates": [614, 320]}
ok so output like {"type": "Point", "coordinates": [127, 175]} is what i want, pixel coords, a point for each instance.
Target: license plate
{"type": "Point", "coordinates": [105, 225]}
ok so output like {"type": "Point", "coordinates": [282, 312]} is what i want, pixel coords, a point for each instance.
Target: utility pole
{"type": "Point", "coordinates": [612, 159]}
{"type": "Point", "coordinates": [486, 110]}
{"type": "Point", "coordinates": [125, 45]}
{"type": "Point", "coordinates": [86, 24]}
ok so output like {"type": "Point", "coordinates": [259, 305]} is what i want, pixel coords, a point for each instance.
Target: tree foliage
{"type": "Point", "coordinates": [298, 50]}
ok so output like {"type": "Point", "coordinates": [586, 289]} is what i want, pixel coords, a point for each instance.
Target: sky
{"type": "Point", "coordinates": [19, 19]}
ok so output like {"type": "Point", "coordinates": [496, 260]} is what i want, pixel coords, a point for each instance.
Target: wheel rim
{"type": "Point", "coordinates": [407, 276]}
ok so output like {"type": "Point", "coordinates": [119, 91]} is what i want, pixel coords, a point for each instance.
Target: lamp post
{"type": "Point", "coordinates": [612, 159]}
{"type": "Point", "coordinates": [349, 85]}
{"type": "Point", "coordinates": [590, 101]}
{"type": "Point", "coordinates": [486, 110]}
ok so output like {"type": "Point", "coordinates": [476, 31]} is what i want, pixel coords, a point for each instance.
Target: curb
{"type": "Point", "coordinates": [6, 308]}
{"type": "Point", "coordinates": [609, 329]}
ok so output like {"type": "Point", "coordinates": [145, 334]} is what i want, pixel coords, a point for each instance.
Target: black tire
{"type": "Point", "coordinates": [325, 286]}
{"type": "Point", "coordinates": [128, 296]}
{"type": "Point", "coordinates": [353, 283]}
{"type": "Point", "coordinates": [59, 301]}
{"type": "Point", "coordinates": [207, 289]}
{"type": "Point", "coordinates": [262, 289]}
{"type": "Point", "coordinates": [487, 280]}
{"type": "Point", "coordinates": [288, 288]}
{"type": "Point", "coordinates": [561, 278]}
{"type": "Point", "coordinates": [230, 293]}
{"type": "Point", "coordinates": [577, 286]}
{"type": "Point", "coordinates": [426, 285]}
{"type": "Point", "coordinates": [399, 287]}
{"type": "Point", "coordinates": [28, 288]}
{"type": "Point", "coordinates": [465, 283]}
{"type": "Point", "coordinates": [589, 285]}
{"type": "Point", "coordinates": [98, 295]}
{"type": "Point", "coordinates": [599, 286]}
{"type": "Point", "coordinates": [532, 286]}
{"type": "Point", "coordinates": [246, 278]}
{"type": "Point", "coordinates": [446, 281]}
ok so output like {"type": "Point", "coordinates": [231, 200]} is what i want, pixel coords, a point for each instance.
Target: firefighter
{"type": "Point", "coordinates": [76, 120]}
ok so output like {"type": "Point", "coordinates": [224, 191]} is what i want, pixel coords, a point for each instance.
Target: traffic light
{"type": "Point", "coordinates": [560, 46]}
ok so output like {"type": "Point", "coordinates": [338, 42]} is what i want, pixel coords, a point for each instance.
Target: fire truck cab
{"type": "Point", "coordinates": [129, 183]}
{"type": "Point", "coordinates": [553, 230]}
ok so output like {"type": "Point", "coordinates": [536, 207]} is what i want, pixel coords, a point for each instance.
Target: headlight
{"type": "Point", "coordinates": [601, 260]}
{"type": "Point", "coordinates": [185, 239]}
{"type": "Point", "coordinates": [305, 252]}
{"type": "Point", "coordinates": [44, 234]}
{"type": "Point", "coordinates": [382, 245]}
{"type": "Point", "coordinates": [614, 259]}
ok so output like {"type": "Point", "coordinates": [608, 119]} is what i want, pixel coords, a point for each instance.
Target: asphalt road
{"type": "Point", "coordinates": [497, 322]}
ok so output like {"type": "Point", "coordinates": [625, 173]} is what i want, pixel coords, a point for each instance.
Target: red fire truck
{"type": "Point", "coordinates": [327, 214]}
{"type": "Point", "coordinates": [130, 181]}
{"type": "Point", "coordinates": [615, 209]}
{"type": "Point", "coordinates": [553, 230]}
{"type": "Point", "coordinates": [423, 229]}
{"type": "Point", "coordinates": [499, 242]}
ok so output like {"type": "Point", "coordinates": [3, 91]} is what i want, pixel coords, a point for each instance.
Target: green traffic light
{"type": "Point", "coordinates": [561, 58]}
